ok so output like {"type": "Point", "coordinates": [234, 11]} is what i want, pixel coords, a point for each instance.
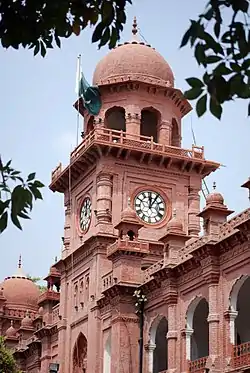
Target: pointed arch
{"type": "Point", "coordinates": [80, 355]}
{"type": "Point", "coordinates": [150, 119]}
{"type": "Point", "coordinates": [115, 118]}
{"type": "Point", "coordinates": [239, 306]}
{"type": "Point", "coordinates": [197, 330]}
{"type": "Point", "coordinates": [158, 344]}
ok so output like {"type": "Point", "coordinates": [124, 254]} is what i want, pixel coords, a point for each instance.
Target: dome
{"type": "Point", "coordinates": [129, 214]}
{"type": "Point", "coordinates": [136, 61]}
{"type": "Point", "coordinates": [19, 290]}
{"type": "Point", "coordinates": [175, 224]}
{"type": "Point", "coordinates": [215, 198]}
{"type": "Point", "coordinates": [27, 321]}
{"type": "Point", "coordinates": [11, 331]}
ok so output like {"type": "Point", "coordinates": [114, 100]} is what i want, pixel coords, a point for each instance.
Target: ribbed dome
{"type": "Point", "coordinates": [11, 331]}
{"type": "Point", "coordinates": [27, 321]}
{"type": "Point", "coordinates": [19, 290]}
{"type": "Point", "coordinates": [215, 198]}
{"type": "Point", "coordinates": [128, 214]}
{"type": "Point", "coordinates": [133, 61]}
{"type": "Point", "coordinates": [175, 224]}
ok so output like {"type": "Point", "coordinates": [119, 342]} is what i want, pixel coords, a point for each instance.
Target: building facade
{"type": "Point", "coordinates": [132, 223]}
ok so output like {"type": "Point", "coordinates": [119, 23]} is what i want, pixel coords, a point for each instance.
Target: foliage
{"type": "Point", "coordinates": [38, 24]}
{"type": "Point", "coordinates": [224, 52]}
{"type": "Point", "coordinates": [36, 280]}
{"type": "Point", "coordinates": [16, 201]}
{"type": "Point", "coordinates": [140, 300]}
{"type": "Point", "coordinates": [7, 361]}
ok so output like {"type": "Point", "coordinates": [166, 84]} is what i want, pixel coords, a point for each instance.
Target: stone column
{"type": "Point", "coordinates": [213, 320]}
{"type": "Point", "coordinates": [104, 198]}
{"type": "Point", "coordinates": [133, 124]}
{"type": "Point", "coordinates": [164, 132]}
{"type": "Point", "coordinates": [230, 317]}
{"type": "Point", "coordinates": [172, 337]}
{"type": "Point", "coordinates": [188, 335]}
{"type": "Point", "coordinates": [150, 357]}
{"type": "Point", "coordinates": [193, 210]}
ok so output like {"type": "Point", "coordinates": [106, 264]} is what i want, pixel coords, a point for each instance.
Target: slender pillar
{"type": "Point", "coordinates": [188, 334]}
{"type": "Point", "coordinates": [104, 198]}
{"type": "Point", "coordinates": [213, 320]}
{"type": "Point", "coordinates": [172, 337]}
{"type": "Point", "coordinates": [150, 355]}
{"type": "Point", "coordinates": [133, 124]}
{"type": "Point", "coordinates": [193, 210]}
{"type": "Point", "coordinates": [164, 132]}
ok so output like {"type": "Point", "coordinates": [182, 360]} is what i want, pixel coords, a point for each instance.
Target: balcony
{"type": "Point", "coordinates": [197, 366]}
{"type": "Point", "coordinates": [49, 295]}
{"type": "Point", "coordinates": [55, 314]}
{"type": "Point", "coordinates": [104, 141]}
{"type": "Point", "coordinates": [127, 245]}
{"type": "Point", "coordinates": [241, 355]}
{"type": "Point", "coordinates": [107, 280]}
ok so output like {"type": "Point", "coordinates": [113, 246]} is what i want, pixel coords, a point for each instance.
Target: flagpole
{"type": "Point", "coordinates": [78, 98]}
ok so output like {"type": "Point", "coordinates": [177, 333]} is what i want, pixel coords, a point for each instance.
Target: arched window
{"type": "Point", "coordinates": [240, 305]}
{"type": "Point", "coordinates": [115, 119]}
{"type": "Point", "coordinates": [197, 329]}
{"type": "Point", "coordinates": [80, 355]}
{"type": "Point", "coordinates": [107, 355]}
{"type": "Point", "coordinates": [149, 123]}
{"type": "Point", "coordinates": [175, 138]}
{"type": "Point", "coordinates": [158, 345]}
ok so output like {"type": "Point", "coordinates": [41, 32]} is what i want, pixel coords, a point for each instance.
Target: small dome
{"type": "Point", "coordinates": [11, 331]}
{"type": "Point", "coordinates": [133, 61]}
{"type": "Point", "coordinates": [27, 321]}
{"type": "Point", "coordinates": [128, 213]}
{"type": "Point", "coordinates": [40, 311]}
{"type": "Point", "coordinates": [175, 224]}
{"type": "Point", "coordinates": [215, 198]}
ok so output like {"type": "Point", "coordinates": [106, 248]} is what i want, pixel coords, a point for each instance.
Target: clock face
{"type": "Point", "coordinates": [150, 207]}
{"type": "Point", "coordinates": [85, 214]}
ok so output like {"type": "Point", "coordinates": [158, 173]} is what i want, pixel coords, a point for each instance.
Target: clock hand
{"type": "Point", "coordinates": [154, 200]}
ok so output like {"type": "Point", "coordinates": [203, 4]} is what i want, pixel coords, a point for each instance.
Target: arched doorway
{"type": "Point", "coordinates": [107, 355]}
{"type": "Point", "coordinates": [158, 340]}
{"type": "Point", "coordinates": [240, 305]}
{"type": "Point", "coordinates": [115, 118]}
{"type": "Point", "coordinates": [197, 339]}
{"type": "Point", "coordinates": [149, 123]}
{"type": "Point", "coordinates": [80, 355]}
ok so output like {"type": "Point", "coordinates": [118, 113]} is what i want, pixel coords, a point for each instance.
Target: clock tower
{"type": "Point", "coordinates": [124, 180]}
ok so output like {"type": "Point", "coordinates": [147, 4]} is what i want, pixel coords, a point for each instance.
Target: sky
{"type": "Point", "coordinates": [38, 123]}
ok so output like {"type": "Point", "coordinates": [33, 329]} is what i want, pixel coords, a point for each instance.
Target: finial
{"type": "Point", "coordinates": [129, 201]}
{"type": "Point", "coordinates": [11, 323]}
{"type": "Point", "coordinates": [214, 185]}
{"type": "Point", "coordinates": [20, 261]}
{"type": "Point", "coordinates": [55, 259]}
{"type": "Point", "coordinates": [174, 213]}
{"type": "Point", "coordinates": [134, 29]}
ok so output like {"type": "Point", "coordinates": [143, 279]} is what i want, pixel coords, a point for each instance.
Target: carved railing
{"type": "Point", "coordinates": [107, 280]}
{"type": "Point", "coordinates": [49, 295]}
{"type": "Point", "coordinates": [152, 269]}
{"type": "Point", "coordinates": [55, 314]}
{"type": "Point", "coordinates": [129, 245]}
{"type": "Point", "coordinates": [144, 143]}
{"type": "Point", "coordinates": [198, 365]}
{"type": "Point", "coordinates": [241, 355]}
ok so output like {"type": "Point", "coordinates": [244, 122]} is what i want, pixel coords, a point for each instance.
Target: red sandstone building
{"type": "Point", "coordinates": [132, 221]}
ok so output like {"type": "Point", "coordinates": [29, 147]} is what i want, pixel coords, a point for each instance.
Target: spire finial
{"type": "Point", "coordinates": [134, 28]}
{"type": "Point", "coordinates": [20, 261]}
{"type": "Point", "coordinates": [129, 201]}
{"type": "Point", "coordinates": [11, 323]}
{"type": "Point", "coordinates": [214, 185]}
{"type": "Point", "coordinates": [55, 259]}
{"type": "Point", "coordinates": [174, 213]}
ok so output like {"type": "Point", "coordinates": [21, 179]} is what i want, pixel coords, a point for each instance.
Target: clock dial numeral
{"type": "Point", "coordinates": [85, 214]}
{"type": "Point", "coordinates": [150, 207]}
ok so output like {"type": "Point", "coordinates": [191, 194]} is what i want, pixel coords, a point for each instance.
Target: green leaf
{"type": "Point", "coordinates": [31, 176]}
{"type": "Point", "coordinates": [222, 69]}
{"type": "Point", "coordinates": [200, 54]}
{"type": "Point", "coordinates": [193, 93]}
{"type": "Point", "coordinates": [3, 221]}
{"type": "Point", "coordinates": [4, 205]}
{"type": "Point", "coordinates": [36, 192]}
{"type": "Point", "coordinates": [186, 37]}
{"type": "Point", "coordinates": [113, 38]}
{"type": "Point", "coordinates": [195, 82]}
{"type": "Point", "coordinates": [217, 27]}
{"type": "Point", "coordinates": [97, 34]}
{"type": "Point", "coordinates": [43, 49]}
{"type": "Point", "coordinates": [16, 221]}
{"type": "Point", "coordinates": [213, 59]}
{"type": "Point", "coordinates": [201, 105]}
{"type": "Point", "coordinates": [37, 48]}
{"type": "Point", "coordinates": [105, 37]}
{"type": "Point", "coordinates": [57, 40]}
{"type": "Point", "coordinates": [215, 108]}
{"type": "Point", "coordinates": [38, 184]}
{"type": "Point", "coordinates": [248, 110]}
